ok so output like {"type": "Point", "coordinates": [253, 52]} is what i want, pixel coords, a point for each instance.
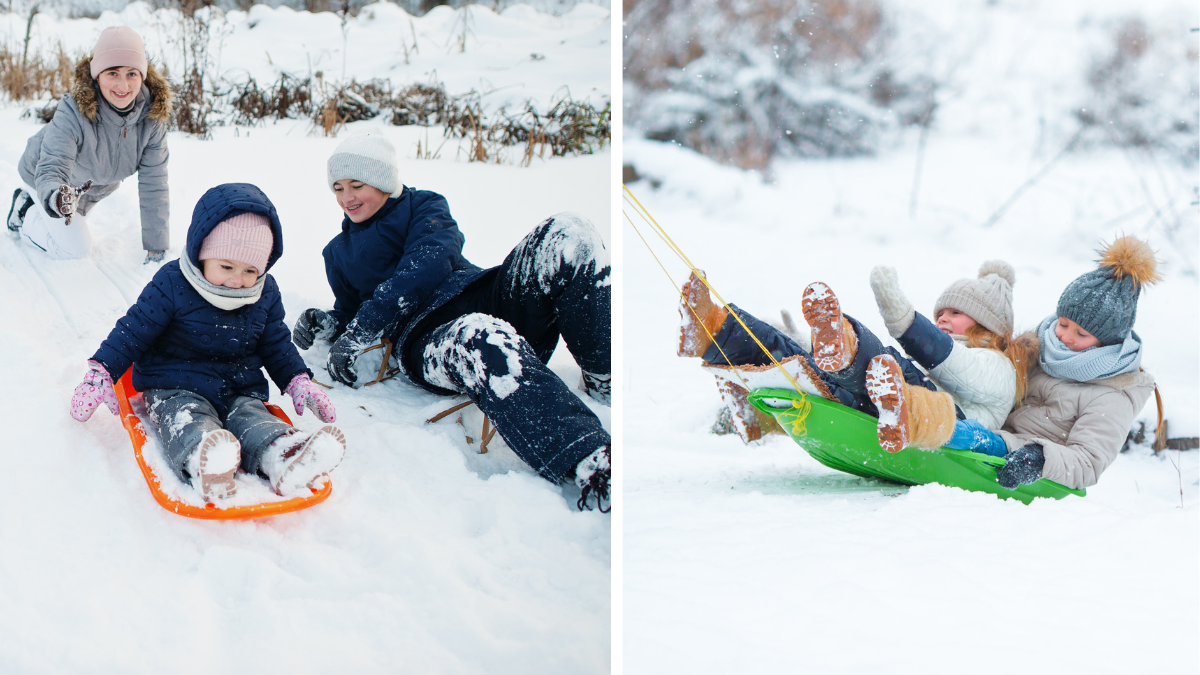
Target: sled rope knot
{"type": "Point", "coordinates": [803, 403]}
{"type": "Point", "coordinates": [803, 407]}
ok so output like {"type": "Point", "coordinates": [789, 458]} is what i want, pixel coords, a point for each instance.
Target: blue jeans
{"type": "Point", "coordinates": [971, 435]}
{"type": "Point", "coordinates": [492, 342]}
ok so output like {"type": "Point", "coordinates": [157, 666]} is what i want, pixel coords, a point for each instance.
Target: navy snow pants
{"type": "Point", "coordinates": [492, 342]}
{"type": "Point", "coordinates": [848, 384]}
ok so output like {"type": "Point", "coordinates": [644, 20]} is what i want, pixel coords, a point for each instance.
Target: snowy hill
{"type": "Point", "coordinates": [428, 557]}
{"type": "Point", "coordinates": [758, 559]}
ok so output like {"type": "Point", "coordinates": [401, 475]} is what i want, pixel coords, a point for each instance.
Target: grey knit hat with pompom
{"type": "Point", "coordinates": [987, 300]}
{"type": "Point", "coordinates": [1104, 301]}
{"type": "Point", "coordinates": [369, 158]}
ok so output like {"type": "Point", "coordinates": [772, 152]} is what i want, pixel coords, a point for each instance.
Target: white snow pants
{"type": "Point", "coordinates": [53, 235]}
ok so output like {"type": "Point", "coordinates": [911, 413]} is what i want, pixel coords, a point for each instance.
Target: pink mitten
{"type": "Point", "coordinates": [96, 388]}
{"type": "Point", "coordinates": [305, 393]}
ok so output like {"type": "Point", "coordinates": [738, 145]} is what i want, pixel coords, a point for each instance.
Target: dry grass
{"type": "Point", "coordinates": [24, 78]}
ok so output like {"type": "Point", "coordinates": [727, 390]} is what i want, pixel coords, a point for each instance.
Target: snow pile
{"type": "Point", "coordinates": [756, 558]}
{"type": "Point", "coordinates": [427, 556]}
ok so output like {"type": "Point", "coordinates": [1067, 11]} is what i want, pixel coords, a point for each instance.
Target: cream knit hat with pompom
{"type": "Point", "coordinates": [987, 299]}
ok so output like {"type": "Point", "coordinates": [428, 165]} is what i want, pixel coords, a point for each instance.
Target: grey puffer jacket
{"type": "Point", "coordinates": [89, 140]}
{"type": "Point", "coordinates": [1080, 425]}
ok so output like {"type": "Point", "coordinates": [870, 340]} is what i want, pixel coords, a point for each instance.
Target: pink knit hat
{"type": "Point", "coordinates": [245, 238]}
{"type": "Point", "coordinates": [119, 46]}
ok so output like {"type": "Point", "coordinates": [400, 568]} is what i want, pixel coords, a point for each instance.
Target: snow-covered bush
{"type": "Point", "coordinates": [1142, 89]}
{"type": "Point", "coordinates": [745, 81]}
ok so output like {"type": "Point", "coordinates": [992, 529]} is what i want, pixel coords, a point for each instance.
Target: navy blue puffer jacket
{"type": "Point", "coordinates": [392, 269]}
{"type": "Point", "coordinates": [178, 340]}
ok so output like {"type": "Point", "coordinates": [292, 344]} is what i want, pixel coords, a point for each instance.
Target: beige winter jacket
{"type": "Point", "coordinates": [1080, 425]}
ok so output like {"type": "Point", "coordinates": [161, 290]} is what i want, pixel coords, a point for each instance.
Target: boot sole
{"type": "Point", "coordinates": [218, 484]}
{"type": "Point", "coordinates": [315, 464]}
{"type": "Point", "coordinates": [885, 386]}
{"type": "Point", "coordinates": [693, 339]}
{"type": "Point", "coordinates": [824, 315]}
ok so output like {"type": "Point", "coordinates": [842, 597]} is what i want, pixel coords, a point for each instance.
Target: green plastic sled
{"type": "Point", "coordinates": [844, 439]}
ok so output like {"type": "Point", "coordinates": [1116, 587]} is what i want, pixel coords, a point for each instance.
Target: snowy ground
{"type": "Point", "coordinates": [757, 558]}
{"type": "Point", "coordinates": [426, 558]}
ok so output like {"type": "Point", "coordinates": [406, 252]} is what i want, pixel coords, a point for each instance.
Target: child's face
{"type": "Point", "coordinates": [120, 85]}
{"type": "Point", "coordinates": [229, 273]}
{"type": "Point", "coordinates": [359, 200]}
{"type": "Point", "coordinates": [953, 322]}
{"type": "Point", "coordinates": [1073, 336]}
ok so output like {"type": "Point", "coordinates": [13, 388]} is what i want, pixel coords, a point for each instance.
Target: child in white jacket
{"type": "Point", "coordinates": [969, 354]}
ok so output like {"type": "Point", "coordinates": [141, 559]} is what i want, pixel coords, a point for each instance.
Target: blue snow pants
{"type": "Point", "coordinates": [848, 384]}
{"type": "Point", "coordinates": [492, 342]}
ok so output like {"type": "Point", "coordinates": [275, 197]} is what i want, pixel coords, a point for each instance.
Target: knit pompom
{"type": "Point", "coordinates": [1130, 256]}
{"type": "Point", "coordinates": [1000, 269]}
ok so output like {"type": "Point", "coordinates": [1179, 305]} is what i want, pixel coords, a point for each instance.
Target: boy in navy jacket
{"type": "Point", "coordinates": [397, 272]}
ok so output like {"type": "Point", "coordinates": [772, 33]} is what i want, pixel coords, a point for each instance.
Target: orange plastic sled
{"type": "Point", "coordinates": [210, 511]}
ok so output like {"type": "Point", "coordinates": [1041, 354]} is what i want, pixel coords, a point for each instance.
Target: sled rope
{"type": "Point", "coordinates": [803, 406]}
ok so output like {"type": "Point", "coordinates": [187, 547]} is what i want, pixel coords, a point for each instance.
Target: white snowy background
{"type": "Point", "coordinates": [758, 559]}
{"type": "Point", "coordinates": [427, 557]}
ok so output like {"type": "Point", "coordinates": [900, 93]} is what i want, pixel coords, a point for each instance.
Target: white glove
{"type": "Point", "coordinates": [896, 310]}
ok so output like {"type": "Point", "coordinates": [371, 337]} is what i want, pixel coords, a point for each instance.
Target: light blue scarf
{"type": "Point", "coordinates": [1095, 363]}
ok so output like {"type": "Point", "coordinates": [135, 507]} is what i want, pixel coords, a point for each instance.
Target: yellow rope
{"type": "Point", "coordinates": [803, 406]}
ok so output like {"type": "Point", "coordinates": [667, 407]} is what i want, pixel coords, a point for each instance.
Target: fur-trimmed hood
{"type": "Point", "coordinates": [83, 90]}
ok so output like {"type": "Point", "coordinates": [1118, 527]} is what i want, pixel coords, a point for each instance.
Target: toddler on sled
{"type": "Point", "coordinates": [198, 339]}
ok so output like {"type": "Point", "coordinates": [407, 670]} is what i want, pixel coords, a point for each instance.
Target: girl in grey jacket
{"type": "Point", "coordinates": [112, 124]}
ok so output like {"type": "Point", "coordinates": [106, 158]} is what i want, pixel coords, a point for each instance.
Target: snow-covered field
{"type": "Point", "coordinates": [427, 557]}
{"type": "Point", "coordinates": [758, 559]}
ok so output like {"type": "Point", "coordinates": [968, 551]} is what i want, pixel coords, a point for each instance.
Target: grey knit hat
{"type": "Point", "coordinates": [1104, 301]}
{"type": "Point", "coordinates": [370, 158]}
{"type": "Point", "coordinates": [987, 299]}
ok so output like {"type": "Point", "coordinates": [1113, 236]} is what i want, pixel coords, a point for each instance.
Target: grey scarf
{"type": "Point", "coordinates": [1095, 363]}
{"type": "Point", "coordinates": [219, 296]}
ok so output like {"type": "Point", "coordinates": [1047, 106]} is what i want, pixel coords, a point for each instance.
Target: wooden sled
{"type": "Point", "coordinates": [133, 424]}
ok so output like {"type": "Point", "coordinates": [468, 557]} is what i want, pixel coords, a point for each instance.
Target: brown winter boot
{"type": "Point", "coordinates": [701, 318]}
{"type": "Point", "coordinates": [749, 422]}
{"type": "Point", "coordinates": [834, 343]}
{"type": "Point", "coordinates": [908, 415]}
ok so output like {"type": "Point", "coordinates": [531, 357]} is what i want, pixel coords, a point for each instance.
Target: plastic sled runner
{"type": "Point", "coordinates": [844, 439]}
{"type": "Point", "coordinates": [137, 434]}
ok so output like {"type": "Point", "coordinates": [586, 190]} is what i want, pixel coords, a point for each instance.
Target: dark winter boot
{"type": "Point", "coordinates": [700, 317]}
{"type": "Point", "coordinates": [593, 476]}
{"type": "Point", "coordinates": [599, 387]}
{"type": "Point", "coordinates": [833, 340]}
{"type": "Point", "coordinates": [20, 206]}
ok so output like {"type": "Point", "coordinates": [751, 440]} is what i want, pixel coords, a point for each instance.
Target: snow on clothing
{"type": "Point", "coordinates": [177, 339]}
{"type": "Point", "coordinates": [183, 417]}
{"type": "Point", "coordinates": [1081, 426]}
{"type": "Point", "coordinates": [89, 140]}
{"type": "Point", "coordinates": [982, 381]}
{"type": "Point", "coordinates": [401, 275]}
{"type": "Point", "coordinates": [847, 386]}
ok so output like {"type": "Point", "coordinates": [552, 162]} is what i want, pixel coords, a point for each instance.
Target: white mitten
{"type": "Point", "coordinates": [896, 310]}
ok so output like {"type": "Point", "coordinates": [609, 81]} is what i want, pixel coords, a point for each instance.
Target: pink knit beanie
{"type": "Point", "coordinates": [245, 238]}
{"type": "Point", "coordinates": [118, 46]}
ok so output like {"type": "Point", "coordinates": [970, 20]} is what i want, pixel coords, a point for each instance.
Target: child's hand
{"type": "Point", "coordinates": [96, 388]}
{"type": "Point", "coordinates": [305, 393]}
{"type": "Point", "coordinates": [341, 360]}
{"type": "Point", "coordinates": [894, 307]}
{"type": "Point", "coordinates": [68, 198]}
{"type": "Point", "coordinates": [313, 324]}
{"type": "Point", "coordinates": [1022, 466]}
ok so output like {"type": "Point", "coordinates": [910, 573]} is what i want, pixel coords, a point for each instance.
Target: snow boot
{"type": "Point", "coordinates": [908, 415]}
{"type": "Point", "coordinates": [834, 343]}
{"type": "Point", "coordinates": [749, 422]}
{"type": "Point", "coordinates": [154, 257]}
{"type": "Point", "coordinates": [20, 206]}
{"type": "Point", "coordinates": [593, 476]}
{"type": "Point", "coordinates": [700, 318]}
{"type": "Point", "coordinates": [213, 464]}
{"type": "Point", "coordinates": [599, 387]}
{"type": "Point", "coordinates": [300, 459]}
